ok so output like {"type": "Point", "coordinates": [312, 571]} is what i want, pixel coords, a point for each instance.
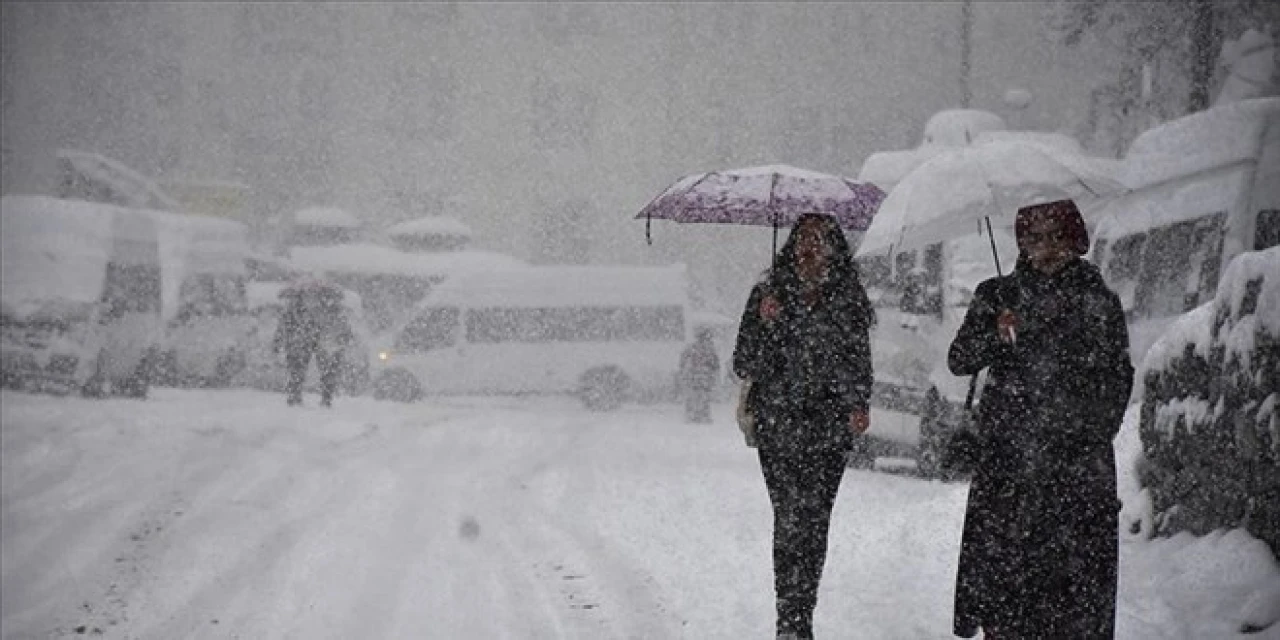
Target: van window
{"type": "Point", "coordinates": [212, 295]}
{"type": "Point", "coordinates": [432, 329]}
{"type": "Point", "coordinates": [576, 324]}
{"type": "Point", "coordinates": [130, 288]}
{"type": "Point", "coordinates": [1266, 233]}
{"type": "Point", "coordinates": [1124, 265]}
{"type": "Point", "coordinates": [1180, 266]}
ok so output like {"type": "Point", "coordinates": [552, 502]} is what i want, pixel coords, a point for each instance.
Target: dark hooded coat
{"type": "Point", "coordinates": [809, 361]}
{"type": "Point", "coordinates": [1039, 552]}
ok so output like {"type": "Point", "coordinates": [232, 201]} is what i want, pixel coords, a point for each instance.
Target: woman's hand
{"type": "Point", "coordinates": [859, 422]}
{"type": "Point", "coordinates": [769, 308]}
{"type": "Point", "coordinates": [1007, 327]}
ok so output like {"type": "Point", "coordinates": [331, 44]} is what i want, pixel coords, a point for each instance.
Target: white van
{"type": "Point", "coordinates": [205, 304]}
{"type": "Point", "coordinates": [80, 296]}
{"type": "Point", "coordinates": [1206, 187]}
{"type": "Point", "coordinates": [607, 333]}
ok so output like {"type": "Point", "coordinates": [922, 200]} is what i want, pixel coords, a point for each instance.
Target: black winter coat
{"type": "Point", "coordinates": [810, 368]}
{"type": "Point", "coordinates": [1039, 553]}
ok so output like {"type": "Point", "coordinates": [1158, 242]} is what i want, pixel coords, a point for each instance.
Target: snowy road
{"type": "Point", "coordinates": [226, 514]}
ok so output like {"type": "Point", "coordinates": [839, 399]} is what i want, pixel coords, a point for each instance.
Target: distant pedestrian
{"type": "Point", "coordinates": [312, 324]}
{"type": "Point", "coordinates": [804, 344]}
{"type": "Point", "coordinates": [699, 372]}
{"type": "Point", "coordinates": [1039, 553]}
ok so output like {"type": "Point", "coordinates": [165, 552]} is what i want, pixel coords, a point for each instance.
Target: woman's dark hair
{"type": "Point", "coordinates": [843, 284]}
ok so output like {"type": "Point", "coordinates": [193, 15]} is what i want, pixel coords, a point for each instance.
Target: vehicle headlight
{"type": "Point", "coordinates": [384, 355]}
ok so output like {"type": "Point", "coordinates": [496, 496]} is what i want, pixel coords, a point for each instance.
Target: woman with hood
{"type": "Point", "coordinates": [1040, 548]}
{"type": "Point", "coordinates": [804, 345]}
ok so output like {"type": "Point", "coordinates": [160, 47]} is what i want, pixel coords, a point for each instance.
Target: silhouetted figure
{"type": "Point", "coordinates": [312, 324]}
{"type": "Point", "coordinates": [699, 371]}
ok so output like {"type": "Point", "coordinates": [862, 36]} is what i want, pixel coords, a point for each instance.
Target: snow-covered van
{"type": "Point", "coordinates": [205, 308]}
{"type": "Point", "coordinates": [1206, 187]}
{"type": "Point", "coordinates": [79, 295]}
{"type": "Point", "coordinates": [606, 333]}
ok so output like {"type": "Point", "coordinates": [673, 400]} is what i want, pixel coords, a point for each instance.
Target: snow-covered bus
{"type": "Point", "coordinates": [606, 333]}
{"type": "Point", "coordinates": [1206, 187]}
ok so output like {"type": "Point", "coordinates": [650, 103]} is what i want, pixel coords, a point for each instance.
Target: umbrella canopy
{"type": "Point", "coordinates": [954, 192]}
{"type": "Point", "coordinates": [772, 196]}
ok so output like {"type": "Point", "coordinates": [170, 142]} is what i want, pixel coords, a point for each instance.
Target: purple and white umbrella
{"type": "Point", "coordinates": [772, 196]}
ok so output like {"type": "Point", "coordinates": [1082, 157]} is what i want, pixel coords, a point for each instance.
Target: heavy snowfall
{"type": "Point", "coordinates": [376, 320]}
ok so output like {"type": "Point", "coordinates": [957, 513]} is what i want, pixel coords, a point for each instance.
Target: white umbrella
{"type": "Point", "coordinates": [954, 192]}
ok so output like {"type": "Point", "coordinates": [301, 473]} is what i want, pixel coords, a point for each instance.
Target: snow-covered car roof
{"type": "Point", "coordinates": [373, 259]}
{"type": "Point", "coordinates": [563, 286]}
{"type": "Point", "coordinates": [435, 225]}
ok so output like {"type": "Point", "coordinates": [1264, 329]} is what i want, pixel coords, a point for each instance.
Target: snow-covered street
{"type": "Point", "coordinates": [225, 514]}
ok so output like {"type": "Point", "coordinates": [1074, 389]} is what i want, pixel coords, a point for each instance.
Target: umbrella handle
{"type": "Point", "coordinates": [994, 254]}
{"type": "Point", "coordinates": [648, 224]}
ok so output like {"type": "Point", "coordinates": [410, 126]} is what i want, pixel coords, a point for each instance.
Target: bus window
{"type": "Point", "coordinates": [1266, 233]}
{"type": "Point", "coordinates": [432, 329]}
{"type": "Point", "coordinates": [575, 324]}
{"type": "Point", "coordinates": [130, 288]}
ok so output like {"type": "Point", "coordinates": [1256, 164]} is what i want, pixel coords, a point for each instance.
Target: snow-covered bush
{"type": "Point", "coordinates": [1209, 425]}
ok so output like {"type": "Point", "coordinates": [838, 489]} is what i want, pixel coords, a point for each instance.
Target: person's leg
{"type": "Point", "coordinates": [329, 365]}
{"type": "Point", "coordinates": [782, 475]}
{"type": "Point", "coordinates": [704, 405]}
{"type": "Point", "coordinates": [296, 362]}
{"type": "Point", "coordinates": [817, 496]}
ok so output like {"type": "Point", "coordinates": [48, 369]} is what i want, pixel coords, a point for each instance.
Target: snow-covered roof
{"type": "Point", "coordinates": [326, 217]}
{"type": "Point", "coordinates": [564, 286]}
{"type": "Point", "coordinates": [137, 189]}
{"type": "Point", "coordinates": [366, 258]}
{"type": "Point", "coordinates": [959, 127]}
{"type": "Point", "coordinates": [434, 225]}
{"type": "Point", "coordinates": [1201, 141]}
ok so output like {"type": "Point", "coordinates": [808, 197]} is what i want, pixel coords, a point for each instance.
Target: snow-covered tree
{"type": "Point", "coordinates": [1171, 53]}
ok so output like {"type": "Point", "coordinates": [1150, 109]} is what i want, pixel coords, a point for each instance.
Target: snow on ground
{"type": "Point", "coordinates": [226, 514]}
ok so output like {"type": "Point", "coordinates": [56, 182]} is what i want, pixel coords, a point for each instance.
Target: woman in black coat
{"type": "Point", "coordinates": [1039, 553]}
{"type": "Point", "coordinates": [803, 343]}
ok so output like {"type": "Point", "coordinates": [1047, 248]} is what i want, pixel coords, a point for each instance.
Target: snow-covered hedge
{"type": "Point", "coordinates": [1209, 423]}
